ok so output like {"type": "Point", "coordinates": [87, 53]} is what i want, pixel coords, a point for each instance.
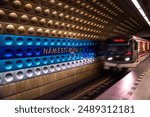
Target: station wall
{"type": "Point", "coordinates": [45, 45]}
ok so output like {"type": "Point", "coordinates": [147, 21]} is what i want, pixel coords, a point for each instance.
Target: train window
{"type": "Point", "coordinates": [146, 48]}
{"type": "Point", "coordinates": [135, 45]}
{"type": "Point", "coordinates": [143, 47]}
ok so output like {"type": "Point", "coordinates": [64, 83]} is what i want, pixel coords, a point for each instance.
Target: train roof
{"type": "Point", "coordinates": [126, 37]}
{"type": "Point", "coordinates": [121, 36]}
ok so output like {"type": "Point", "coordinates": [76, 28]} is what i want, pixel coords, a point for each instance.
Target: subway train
{"type": "Point", "coordinates": [126, 52]}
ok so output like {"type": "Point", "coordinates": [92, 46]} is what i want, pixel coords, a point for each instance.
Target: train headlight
{"type": "Point", "coordinates": [110, 58]}
{"type": "Point", "coordinates": [127, 59]}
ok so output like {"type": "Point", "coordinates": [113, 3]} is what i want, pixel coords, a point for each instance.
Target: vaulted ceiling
{"type": "Point", "coordinates": [126, 19]}
{"type": "Point", "coordinates": [81, 19]}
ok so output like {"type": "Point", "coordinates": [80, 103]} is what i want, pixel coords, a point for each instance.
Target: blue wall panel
{"type": "Point", "coordinates": [21, 52]}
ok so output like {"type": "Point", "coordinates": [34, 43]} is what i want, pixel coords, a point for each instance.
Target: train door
{"type": "Point", "coordinates": [135, 50]}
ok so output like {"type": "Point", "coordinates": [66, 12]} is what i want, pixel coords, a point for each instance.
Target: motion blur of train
{"type": "Point", "coordinates": [126, 52]}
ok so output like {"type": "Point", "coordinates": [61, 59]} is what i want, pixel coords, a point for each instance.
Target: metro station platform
{"type": "Point", "coordinates": [134, 86]}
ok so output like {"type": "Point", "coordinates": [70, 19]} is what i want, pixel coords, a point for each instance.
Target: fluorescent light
{"type": "Point", "coordinates": [142, 12]}
{"type": "Point", "coordinates": [135, 2]}
{"type": "Point", "coordinates": [137, 5]}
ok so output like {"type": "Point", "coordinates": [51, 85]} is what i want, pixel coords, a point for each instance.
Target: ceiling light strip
{"type": "Point", "coordinates": [137, 5]}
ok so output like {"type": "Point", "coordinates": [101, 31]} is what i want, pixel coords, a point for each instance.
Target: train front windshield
{"type": "Point", "coordinates": [119, 52]}
{"type": "Point", "coordinates": [119, 49]}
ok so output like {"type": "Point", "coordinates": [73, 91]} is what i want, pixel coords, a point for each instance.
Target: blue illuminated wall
{"type": "Point", "coordinates": [28, 56]}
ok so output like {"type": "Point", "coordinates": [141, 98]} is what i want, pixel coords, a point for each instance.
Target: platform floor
{"type": "Point", "coordinates": [142, 92]}
{"type": "Point", "coordinates": [134, 86]}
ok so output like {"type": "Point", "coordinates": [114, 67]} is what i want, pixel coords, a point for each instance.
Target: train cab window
{"type": "Point", "coordinates": [119, 49]}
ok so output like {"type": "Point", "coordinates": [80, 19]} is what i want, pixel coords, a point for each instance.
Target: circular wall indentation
{"type": "Point", "coordinates": [8, 41]}
{"type": "Point", "coordinates": [38, 9]}
{"type": "Point", "coordinates": [63, 66]}
{"type": "Point", "coordinates": [37, 51]}
{"type": "Point", "coordinates": [24, 18]}
{"type": "Point", "coordinates": [58, 42]}
{"type": "Point", "coordinates": [34, 20]}
{"type": "Point", "coordinates": [31, 30]}
{"type": "Point", "coordinates": [45, 61]}
{"type": "Point", "coordinates": [8, 53]}
{"type": "Point", "coordinates": [54, 13]}
{"type": "Point", "coordinates": [43, 21]}
{"type": "Point", "coordinates": [2, 13]}
{"type": "Point", "coordinates": [52, 42]}
{"type": "Point", "coordinates": [9, 77]}
{"type": "Point", "coordinates": [58, 67]}
{"type": "Point", "coordinates": [69, 43]}
{"type": "Point", "coordinates": [84, 43]}
{"type": "Point", "coordinates": [19, 41]}
{"type": "Point", "coordinates": [46, 12]}
{"type": "Point", "coordinates": [28, 7]}
{"type": "Point", "coordinates": [29, 52]}
{"type": "Point", "coordinates": [77, 63]}
{"type": "Point", "coordinates": [13, 16]}
{"type": "Point", "coordinates": [37, 71]}
{"type": "Point", "coordinates": [50, 23]}
{"type": "Point", "coordinates": [57, 58]}
{"type": "Point", "coordinates": [16, 4]}
{"type": "Point", "coordinates": [38, 41]}
{"type": "Point", "coordinates": [64, 42]}
{"type": "Point", "coordinates": [47, 32]}
{"type": "Point", "coordinates": [45, 70]}
{"type": "Point", "coordinates": [21, 29]}
{"type": "Point", "coordinates": [51, 60]}
{"type": "Point", "coordinates": [68, 65]}
{"type": "Point", "coordinates": [37, 61]}
{"type": "Point", "coordinates": [19, 64]}
{"type": "Point", "coordinates": [52, 68]}
{"type": "Point", "coordinates": [39, 31]}
{"type": "Point", "coordinates": [28, 62]}
{"type": "Point", "coordinates": [29, 73]}
{"type": "Point", "coordinates": [63, 58]}
{"type": "Point", "coordinates": [29, 41]}
{"type": "Point", "coordinates": [45, 41]}
{"type": "Point", "coordinates": [8, 65]}
{"type": "Point", "coordinates": [10, 28]}
{"type": "Point", "coordinates": [68, 57]}
{"type": "Point", "coordinates": [19, 75]}
{"type": "Point", "coordinates": [19, 52]}
{"type": "Point", "coordinates": [52, 2]}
